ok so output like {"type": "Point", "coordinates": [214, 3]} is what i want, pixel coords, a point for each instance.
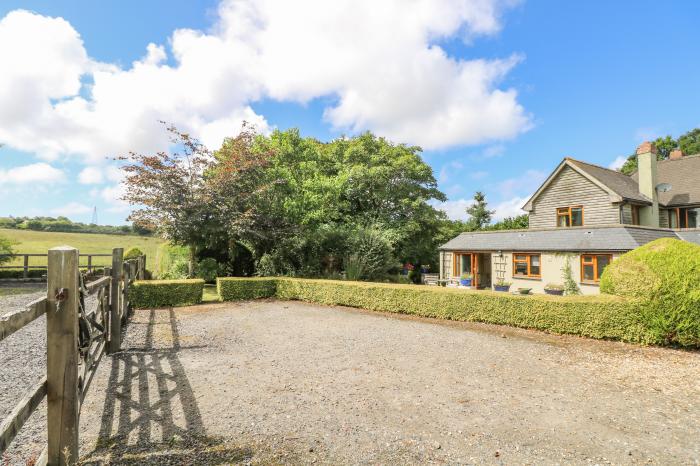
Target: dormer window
{"type": "Point", "coordinates": [571, 216]}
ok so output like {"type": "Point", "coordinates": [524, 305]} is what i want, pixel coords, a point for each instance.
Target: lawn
{"type": "Point", "coordinates": [38, 242]}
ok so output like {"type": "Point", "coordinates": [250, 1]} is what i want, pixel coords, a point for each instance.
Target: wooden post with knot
{"type": "Point", "coordinates": [63, 398]}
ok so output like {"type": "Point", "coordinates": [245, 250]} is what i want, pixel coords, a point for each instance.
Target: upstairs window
{"type": "Point", "coordinates": [592, 266]}
{"type": "Point", "coordinates": [526, 265]}
{"type": "Point", "coordinates": [571, 216]}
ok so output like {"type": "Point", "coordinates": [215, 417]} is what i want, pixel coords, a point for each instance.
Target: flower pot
{"type": "Point", "coordinates": [554, 292]}
{"type": "Point", "coordinates": [501, 287]}
{"type": "Point", "coordinates": [524, 290]}
{"type": "Point", "coordinates": [466, 282]}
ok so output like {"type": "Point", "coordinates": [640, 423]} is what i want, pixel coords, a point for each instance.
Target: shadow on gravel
{"type": "Point", "coordinates": [148, 391]}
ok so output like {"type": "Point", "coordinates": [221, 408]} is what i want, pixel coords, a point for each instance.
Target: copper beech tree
{"type": "Point", "coordinates": [192, 196]}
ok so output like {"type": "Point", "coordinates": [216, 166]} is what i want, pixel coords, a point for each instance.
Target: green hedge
{"type": "Point", "coordinates": [237, 289]}
{"type": "Point", "coordinates": [607, 317]}
{"type": "Point", "coordinates": [665, 275]}
{"type": "Point", "coordinates": [146, 294]}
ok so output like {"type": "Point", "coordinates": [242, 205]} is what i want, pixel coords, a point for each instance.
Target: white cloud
{"type": "Point", "coordinates": [510, 208]}
{"type": "Point", "coordinates": [378, 63]}
{"type": "Point", "coordinates": [72, 208]}
{"type": "Point", "coordinates": [527, 183]}
{"type": "Point", "coordinates": [455, 210]}
{"type": "Point", "coordinates": [493, 151]}
{"type": "Point", "coordinates": [27, 174]}
{"type": "Point", "coordinates": [112, 196]}
{"type": "Point", "coordinates": [617, 163]}
{"type": "Point", "coordinates": [90, 175]}
{"type": "Point", "coordinates": [478, 175]}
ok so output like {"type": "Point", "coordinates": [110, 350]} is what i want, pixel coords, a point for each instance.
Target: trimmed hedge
{"type": "Point", "coordinates": [665, 275]}
{"type": "Point", "coordinates": [239, 289]}
{"type": "Point", "coordinates": [147, 294]}
{"type": "Point", "coordinates": [606, 317]}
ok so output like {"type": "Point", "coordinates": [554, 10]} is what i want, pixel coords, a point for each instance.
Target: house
{"type": "Point", "coordinates": [586, 215]}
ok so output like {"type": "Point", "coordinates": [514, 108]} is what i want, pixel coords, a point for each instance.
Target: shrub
{"type": "Point", "coordinates": [132, 253]}
{"type": "Point", "coordinates": [665, 275]}
{"type": "Point", "coordinates": [608, 317]}
{"type": "Point", "coordinates": [146, 294]}
{"type": "Point", "coordinates": [239, 289]}
{"type": "Point", "coordinates": [372, 254]}
{"type": "Point", "coordinates": [207, 269]}
{"type": "Point", "coordinates": [166, 258]}
{"type": "Point", "coordinates": [6, 248]}
{"type": "Point", "coordinates": [179, 270]}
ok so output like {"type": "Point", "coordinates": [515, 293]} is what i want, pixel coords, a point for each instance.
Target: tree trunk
{"type": "Point", "coordinates": [190, 264]}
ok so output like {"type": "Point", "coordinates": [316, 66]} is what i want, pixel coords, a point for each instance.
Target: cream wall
{"type": "Point", "coordinates": [551, 271]}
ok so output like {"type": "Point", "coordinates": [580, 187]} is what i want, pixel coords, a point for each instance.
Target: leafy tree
{"type": "Point", "coordinates": [5, 248]}
{"type": "Point", "coordinates": [689, 143]}
{"type": "Point", "coordinates": [478, 212]}
{"type": "Point", "coordinates": [520, 222]}
{"type": "Point", "coordinates": [170, 193]}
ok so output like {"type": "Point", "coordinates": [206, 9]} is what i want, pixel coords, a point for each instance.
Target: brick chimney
{"type": "Point", "coordinates": [676, 154]}
{"type": "Point", "coordinates": [646, 169]}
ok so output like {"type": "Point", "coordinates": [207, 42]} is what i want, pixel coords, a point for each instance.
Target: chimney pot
{"type": "Point", "coordinates": [676, 154]}
{"type": "Point", "coordinates": [645, 147]}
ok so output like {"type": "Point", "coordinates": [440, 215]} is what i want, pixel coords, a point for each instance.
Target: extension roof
{"type": "Point", "coordinates": [576, 239]}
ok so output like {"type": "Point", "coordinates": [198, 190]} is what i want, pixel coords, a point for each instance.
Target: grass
{"type": "Point", "coordinates": [38, 242]}
{"type": "Point", "coordinates": [210, 294]}
{"type": "Point", "coordinates": [11, 291]}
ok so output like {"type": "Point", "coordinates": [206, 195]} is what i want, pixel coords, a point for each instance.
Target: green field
{"type": "Point", "coordinates": [38, 242]}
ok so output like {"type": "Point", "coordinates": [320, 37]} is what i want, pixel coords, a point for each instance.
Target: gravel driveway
{"type": "Point", "coordinates": [288, 382]}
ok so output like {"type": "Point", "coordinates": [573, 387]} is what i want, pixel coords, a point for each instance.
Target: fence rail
{"type": "Point", "coordinates": [76, 340]}
{"type": "Point", "coordinates": [25, 266]}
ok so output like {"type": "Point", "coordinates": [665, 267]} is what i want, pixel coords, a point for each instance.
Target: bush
{"type": "Point", "coordinates": [607, 317]}
{"type": "Point", "coordinates": [132, 253]}
{"type": "Point", "coordinates": [665, 276]}
{"type": "Point", "coordinates": [207, 269]}
{"type": "Point", "coordinates": [147, 294]}
{"type": "Point", "coordinates": [169, 259]}
{"type": "Point", "coordinates": [238, 289]}
{"type": "Point", "coordinates": [372, 254]}
{"type": "Point", "coordinates": [31, 273]}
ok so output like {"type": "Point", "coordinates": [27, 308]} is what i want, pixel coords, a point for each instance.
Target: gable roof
{"type": "Point", "coordinates": [682, 175]}
{"type": "Point", "coordinates": [576, 239]}
{"type": "Point", "coordinates": [619, 186]}
{"type": "Point", "coordinates": [625, 186]}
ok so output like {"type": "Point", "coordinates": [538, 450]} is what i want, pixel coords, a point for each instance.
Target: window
{"type": "Point", "coordinates": [684, 217]}
{"type": "Point", "coordinates": [592, 266]}
{"type": "Point", "coordinates": [570, 216]}
{"type": "Point", "coordinates": [526, 265]}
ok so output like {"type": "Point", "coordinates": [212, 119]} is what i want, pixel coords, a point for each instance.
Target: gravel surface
{"type": "Point", "coordinates": [22, 364]}
{"type": "Point", "coordinates": [288, 382]}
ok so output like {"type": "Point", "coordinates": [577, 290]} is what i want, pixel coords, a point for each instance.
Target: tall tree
{"type": "Point", "coordinates": [479, 214]}
{"type": "Point", "coordinates": [689, 143]}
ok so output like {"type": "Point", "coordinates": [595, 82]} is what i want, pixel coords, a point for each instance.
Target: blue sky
{"type": "Point", "coordinates": [496, 96]}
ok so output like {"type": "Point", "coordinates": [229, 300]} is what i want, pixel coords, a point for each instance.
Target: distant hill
{"type": "Point", "coordinates": [66, 225]}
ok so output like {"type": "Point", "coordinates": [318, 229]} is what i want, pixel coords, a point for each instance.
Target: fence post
{"type": "Point", "coordinates": [89, 264]}
{"type": "Point", "coordinates": [25, 274]}
{"type": "Point", "coordinates": [115, 320]}
{"type": "Point", "coordinates": [142, 267]}
{"type": "Point", "coordinates": [63, 405]}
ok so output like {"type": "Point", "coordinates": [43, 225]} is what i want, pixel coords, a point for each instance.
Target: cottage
{"type": "Point", "coordinates": [585, 215]}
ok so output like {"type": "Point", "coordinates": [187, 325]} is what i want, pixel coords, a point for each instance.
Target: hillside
{"type": "Point", "coordinates": [38, 242]}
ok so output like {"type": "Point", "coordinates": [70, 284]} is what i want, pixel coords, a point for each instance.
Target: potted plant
{"type": "Point", "coordinates": [502, 285]}
{"type": "Point", "coordinates": [465, 279]}
{"type": "Point", "coordinates": [554, 289]}
{"type": "Point", "coordinates": [524, 290]}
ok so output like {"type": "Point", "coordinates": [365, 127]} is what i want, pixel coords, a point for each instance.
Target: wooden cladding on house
{"type": "Point", "coordinates": [570, 188]}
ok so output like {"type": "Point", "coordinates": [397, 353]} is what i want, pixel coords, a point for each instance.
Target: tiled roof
{"type": "Point", "coordinates": [623, 185]}
{"type": "Point", "coordinates": [684, 177]}
{"type": "Point", "coordinates": [692, 236]}
{"type": "Point", "coordinates": [579, 239]}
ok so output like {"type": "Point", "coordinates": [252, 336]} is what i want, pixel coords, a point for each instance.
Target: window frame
{"type": "Point", "coordinates": [593, 262]}
{"type": "Point", "coordinates": [566, 212]}
{"type": "Point", "coordinates": [528, 262]}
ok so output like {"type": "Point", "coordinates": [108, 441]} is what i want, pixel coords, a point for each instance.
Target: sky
{"type": "Point", "coordinates": [496, 92]}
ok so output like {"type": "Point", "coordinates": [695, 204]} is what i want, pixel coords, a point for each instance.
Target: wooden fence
{"type": "Point", "coordinates": [25, 265]}
{"type": "Point", "coordinates": [76, 339]}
